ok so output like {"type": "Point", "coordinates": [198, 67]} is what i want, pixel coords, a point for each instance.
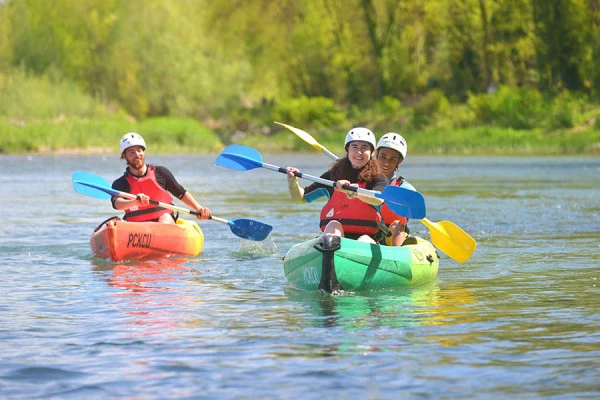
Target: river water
{"type": "Point", "coordinates": [520, 319]}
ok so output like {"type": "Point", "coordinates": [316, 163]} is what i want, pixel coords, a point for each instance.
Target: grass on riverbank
{"type": "Point", "coordinates": [102, 135]}
{"type": "Point", "coordinates": [474, 141]}
{"type": "Point", "coordinates": [176, 135]}
{"type": "Point", "coordinates": [49, 114]}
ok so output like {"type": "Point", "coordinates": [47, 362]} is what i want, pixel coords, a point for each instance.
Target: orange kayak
{"type": "Point", "coordinates": [119, 240]}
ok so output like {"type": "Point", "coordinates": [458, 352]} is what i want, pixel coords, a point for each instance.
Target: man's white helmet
{"type": "Point", "coordinates": [393, 141]}
{"type": "Point", "coordinates": [132, 139]}
{"type": "Point", "coordinates": [362, 134]}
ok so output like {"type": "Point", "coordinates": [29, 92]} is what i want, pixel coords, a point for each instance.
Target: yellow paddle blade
{"type": "Point", "coordinates": [308, 139]}
{"type": "Point", "coordinates": [451, 239]}
{"type": "Point", "coordinates": [303, 135]}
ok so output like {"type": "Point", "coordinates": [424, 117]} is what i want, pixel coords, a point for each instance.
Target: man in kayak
{"type": "Point", "coordinates": [149, 182]}
{"type": "Point", "coordinates": [348, 213]}
{"type": "Point", "coordinates": [391, 152]}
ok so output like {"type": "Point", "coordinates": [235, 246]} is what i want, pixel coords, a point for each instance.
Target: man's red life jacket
{"type": "Point", "coordinates": [148, 185]}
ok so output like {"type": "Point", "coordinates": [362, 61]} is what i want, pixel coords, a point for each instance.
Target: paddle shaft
{"type": "Point", "coordinates": [402, 201]}
{"type": "Point", "coordinates": [173, 207]}
{"type": "Point", "coordinates": [167, 206]}
{"type": "Point", "coordinates": [320, 180]}
{"type": "Point", "coordinates": [329, 154]}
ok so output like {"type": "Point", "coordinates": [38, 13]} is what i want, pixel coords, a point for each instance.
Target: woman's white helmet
{"type": "Point", "coordinates": [362, 134]}
{"type": "Point", "coordinates": [131, 139]}
{"type": "Point", "coordinates": [393, 141]}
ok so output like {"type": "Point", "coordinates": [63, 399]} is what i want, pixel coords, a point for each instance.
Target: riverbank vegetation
{"type": "Point", "coordinates": [456, 77]}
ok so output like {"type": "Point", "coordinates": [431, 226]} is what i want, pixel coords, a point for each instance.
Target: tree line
{"type": "Point", "coordinates": [233, 60]}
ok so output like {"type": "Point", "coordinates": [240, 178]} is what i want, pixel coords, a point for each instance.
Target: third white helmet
{"type": "Point", "coordinates": [393, 141]}
{"type": "Point", "coordinates": [131, 139]}
{"type": "Point", "coordinates": [362, 134]}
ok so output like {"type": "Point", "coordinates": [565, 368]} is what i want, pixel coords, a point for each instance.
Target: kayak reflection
{"type": "Point", "coordinates": [149, 295]}
{"type": "Point", "coordinates": [143, 275]}
{"type": "Point", "coordinates": [401, 317]}
{"type": "Point", "coordinates": [398, 308]}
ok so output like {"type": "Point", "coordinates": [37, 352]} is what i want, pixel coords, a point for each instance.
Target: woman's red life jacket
{"type": "Point", "coordinates": [388, 215]}
{"type": "Point", "coordinates": [148, 185]}
{"type": "Point", "coordinates": [355, 215]}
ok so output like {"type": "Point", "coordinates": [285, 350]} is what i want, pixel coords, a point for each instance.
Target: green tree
{"type": "Point", "coordinates": [563, 34]}
{"type": "Point", "coordinates": [36, 27]}
{"type": "Point", "coordinates": [6, 53]}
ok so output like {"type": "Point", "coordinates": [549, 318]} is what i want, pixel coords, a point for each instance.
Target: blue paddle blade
{"type": "Point", "coordinates": [405, 202]}
{"type": "Point", "coordinates": [239, 157]}
{"type": "Point", "coordinates": [92, 185]}
{"type": "Point", "coordinates": [250, 229]}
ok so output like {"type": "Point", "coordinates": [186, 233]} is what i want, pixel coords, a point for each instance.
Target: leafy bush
{"type": "Point", "coordinates": [28, 97]}
{"type": "Point", "coordinates": [173, 135]}
{"type": "Point", "coordinates": [567, 110]}
{"type": "Point", "coordinates": [431, 105]}
{"type": "Point", "coordinates": [510, 107]}
{"type": "Point", "coordinates": [388, 114]}
{"type": "Point", "coordinates": [560, 115]}
{"type": "Point", "coordinates": [319, 112]}
{"type": "Point", "coordinates": [456, 116]}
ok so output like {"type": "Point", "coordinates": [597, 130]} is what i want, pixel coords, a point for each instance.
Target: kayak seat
{"type": "Point", "coordinates": [328, 243]}
{"type": "Point", "coordinates": [104, 222]}
{"type": "Point", "coordinates": [410, 240]}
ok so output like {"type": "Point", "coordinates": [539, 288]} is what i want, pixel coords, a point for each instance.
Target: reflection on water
{"type": "Point", "coordinates": [423, 305]}
{"type": "Point", "coordinates": [143, 275]}
{"type": "Point", "coordinates": [153, 289]}
{"type": "Point", "coordinates": [397, 317]}
{"type": "Point", "coordinates": [362, 311]}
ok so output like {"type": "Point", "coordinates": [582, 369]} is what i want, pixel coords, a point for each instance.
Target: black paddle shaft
{"type": "Point", "coordinates": [314, 178]}
{"type": "Point", "coordinates": [158, 203]}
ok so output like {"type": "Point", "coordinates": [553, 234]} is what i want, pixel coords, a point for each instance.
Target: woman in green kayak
{"type": "Point", "coordinates": [348, 213]}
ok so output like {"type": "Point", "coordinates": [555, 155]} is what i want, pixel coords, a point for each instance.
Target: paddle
{"type": "Point", "coordinates": [401, 201]}
{"type": "Point", "coordinates": [446, 236]}
{"type": "Point", "coordinates": [96, 186]}
{"type": "Point", "coordinates": [451, 239]}
{"type": "Point", "coordinates": [309, 139]}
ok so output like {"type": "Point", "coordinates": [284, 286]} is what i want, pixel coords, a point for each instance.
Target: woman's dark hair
{"type": "Point", "coordinates": [342, 169]}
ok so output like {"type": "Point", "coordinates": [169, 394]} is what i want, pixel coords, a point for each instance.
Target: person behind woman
{"type": "Point", "coordinates": [348, 213]}
{"type": "Point", "coordinates": [391, 152]}
{"type": "Point", "coordinates": [148, 182]}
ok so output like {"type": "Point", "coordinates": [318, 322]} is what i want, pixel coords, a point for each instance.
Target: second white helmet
{"type": "Point", "coordinates": [394, 141]}
{"type": "Point", "coordinates": [131, 139]}
{"type": "Point", "coordinates": [362, 134]}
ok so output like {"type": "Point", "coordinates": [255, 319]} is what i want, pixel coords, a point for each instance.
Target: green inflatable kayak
{"type": "Point", "coordinates": [335, 264]}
